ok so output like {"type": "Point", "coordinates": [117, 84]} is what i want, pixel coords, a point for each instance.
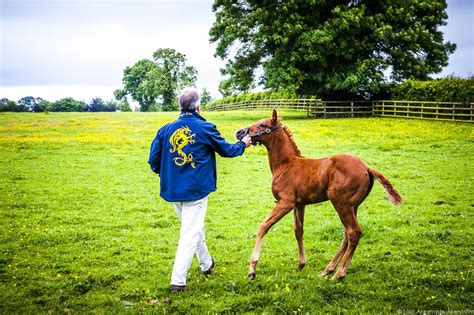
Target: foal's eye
{"type": "Point", "coordinates": [262, 125]}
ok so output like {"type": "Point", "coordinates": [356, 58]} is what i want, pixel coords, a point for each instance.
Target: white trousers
{"type": "Point", "coordinates": [191, 239]}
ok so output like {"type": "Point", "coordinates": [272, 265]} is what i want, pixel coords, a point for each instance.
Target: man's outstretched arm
{"type": "Point", "coordinates": [224, 148]}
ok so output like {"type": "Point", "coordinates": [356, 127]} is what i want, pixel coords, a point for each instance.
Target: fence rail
{"type": "Point", "coordinates": [463, 112]}
{"type": "Point", "coordinates": [290, 104]}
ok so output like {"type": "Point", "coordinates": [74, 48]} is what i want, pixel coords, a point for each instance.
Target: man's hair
{"type": "Point", "coordinates": [189, 100]}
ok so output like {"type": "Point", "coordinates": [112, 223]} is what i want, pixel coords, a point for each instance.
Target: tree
{"type": "Point", "coordinates": [206, 96]}
{"type": "Point", "coordinates": [32, 103]}
{"type": "Point", "coordinates": [172, 76]}
{"type": "Point", "coordinates": [157, 82]}
{"type": "Point", "coordinates": [68, 104]}
{"type": "Point", "coordinates": [123, 106]}
{"type": "Point", "coordinates": [43, 106]}
{"type": "Point", "coordinates": [138, 83]}
{"type": "Point", "coordinates": [95, 105]}
{"type": "Point", "coordinates": [98, 105]}
{"type": "Point", "coordinates": [10, 106]}
{"type": "Point", "coordinates": [122, 100]}
{"type": "Point", "coordinates": [333, 49]}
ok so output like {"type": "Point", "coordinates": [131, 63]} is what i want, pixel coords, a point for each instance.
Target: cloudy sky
{"type": "Point", "coordinates": [79, 48]}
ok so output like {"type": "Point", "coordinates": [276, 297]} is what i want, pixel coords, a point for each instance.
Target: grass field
{"type": "Point", "coordinates": [83, 228]}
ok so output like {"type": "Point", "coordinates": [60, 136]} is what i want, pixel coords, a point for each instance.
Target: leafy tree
{"type": "Point", "coordinates": [68, 104]}
{"type": "Point", "coordinates": [157, 82]}
{"type": "Point", "coordinates": [110, 106]}
{"type": "Point", "coordinates": [43, 106]}
{"type": "Point", "coordinates": [206, 96]}
{"type": "Point", "coordinates": [333, 49]}
{"type": "Point", "coordinates": [10, 106]}
{"type": "Point", "coordinates": [173, 75]}
{"type": "Point", "coordinates": [32, 103]}
{"type": "Point", "coordinates": [123, 106]}
{"type": "Point", "coordinates": [122, 100]}
{"type": "Point", "coordinates": [138, 83]}
{"type": "Point", "coordinates": [98, 105]}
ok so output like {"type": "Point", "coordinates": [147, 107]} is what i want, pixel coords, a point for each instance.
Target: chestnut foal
{"type": "Point", "coordinates": [297, 181]}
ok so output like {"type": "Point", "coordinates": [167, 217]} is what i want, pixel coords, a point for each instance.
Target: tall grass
{"type": "Point", "coordinates": [83, 228]}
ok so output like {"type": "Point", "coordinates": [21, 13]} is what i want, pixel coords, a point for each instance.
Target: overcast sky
{"type": "Point", "coordinates": [79, 48]}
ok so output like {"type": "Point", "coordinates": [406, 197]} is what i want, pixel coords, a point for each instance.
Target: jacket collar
{"type": "Point", "coordinates": [191, 115]}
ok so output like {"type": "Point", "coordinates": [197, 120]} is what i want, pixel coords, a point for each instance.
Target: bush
{"type": "Point", "coordinates": [450, 89]}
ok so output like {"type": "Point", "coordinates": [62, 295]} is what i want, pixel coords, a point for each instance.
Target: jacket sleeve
{"type": "Point", "coordinates": [222, 147]}
{"type": "Point", "coordinates": [155, 154]}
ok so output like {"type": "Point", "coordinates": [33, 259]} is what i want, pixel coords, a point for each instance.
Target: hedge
{"type": "Point", "coordinates": [450, 89]}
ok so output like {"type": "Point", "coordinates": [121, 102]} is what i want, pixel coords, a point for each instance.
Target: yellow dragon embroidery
{"type": "Point", "coordinates": [179, 139]}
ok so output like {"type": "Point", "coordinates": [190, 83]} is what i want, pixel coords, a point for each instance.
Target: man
{"type": "Point", "coordinates": [183, 154]}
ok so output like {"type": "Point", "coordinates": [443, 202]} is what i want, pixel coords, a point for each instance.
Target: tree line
{"type": "Point", "coordinates": [67, 104]}
{"type": "Point", "coordinates": [153, 84]}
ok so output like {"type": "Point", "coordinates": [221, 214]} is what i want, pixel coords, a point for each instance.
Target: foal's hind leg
{"type": "Point", "coordinates": [353, 233]}
{"type": "Point", "coordinates": [333, 263]}
{"type": "Point", "coordinates": [299, 222]}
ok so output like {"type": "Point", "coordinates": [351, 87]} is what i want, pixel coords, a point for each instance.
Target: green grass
{"type": "Point", "coordinates": [83, 228]}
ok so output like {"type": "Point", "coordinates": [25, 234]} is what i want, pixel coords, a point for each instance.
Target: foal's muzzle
{"type": "Point", "coordinates": [240, 134]}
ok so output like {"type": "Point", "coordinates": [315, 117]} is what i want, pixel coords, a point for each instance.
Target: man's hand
{"type": "Point", "coordinates": [247, 141]}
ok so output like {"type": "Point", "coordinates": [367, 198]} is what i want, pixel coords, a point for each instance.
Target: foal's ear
{"type": "Point", "coordinates": [275, 117]}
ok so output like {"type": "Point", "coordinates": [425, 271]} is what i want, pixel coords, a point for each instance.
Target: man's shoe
{"type": "Point", "coordinates": [178, 288]}
{"type": "Point", "coordinates": [209, 271]}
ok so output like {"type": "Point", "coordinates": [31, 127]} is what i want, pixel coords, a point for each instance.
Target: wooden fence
{"type": "Point", "coordinates": [289, 104]}
{"type": "Point", "coordinates": [463, 112]}
{"type": "Point", "coordinates": [339, 109]}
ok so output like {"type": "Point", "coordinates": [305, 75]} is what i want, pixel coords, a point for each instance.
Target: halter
{"type": "Point", "coordinates": [263, 132]}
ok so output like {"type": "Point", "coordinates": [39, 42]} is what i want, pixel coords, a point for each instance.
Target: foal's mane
{"type": "Point", "coordinates": [292, 141]}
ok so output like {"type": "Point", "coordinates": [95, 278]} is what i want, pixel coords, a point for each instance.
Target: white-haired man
{"type": "Point", "coordinates": [183, 154]}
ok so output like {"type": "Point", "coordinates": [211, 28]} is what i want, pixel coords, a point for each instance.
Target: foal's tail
{"type": "Point", "coordinates": [393, 195]}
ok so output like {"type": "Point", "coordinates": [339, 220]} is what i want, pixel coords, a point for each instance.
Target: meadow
{"type": "Point", "coordinates": [83, 229]}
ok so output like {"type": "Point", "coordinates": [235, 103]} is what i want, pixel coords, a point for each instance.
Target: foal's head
{"type": "Point", "coordinates": [260, 130]}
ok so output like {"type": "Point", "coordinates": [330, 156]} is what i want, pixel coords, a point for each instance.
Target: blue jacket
{"type": "Point", "coordinates": [183, 154]}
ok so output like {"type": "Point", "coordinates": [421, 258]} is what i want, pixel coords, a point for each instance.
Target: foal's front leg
{"type": "Point", "coordinates": [278, 212]}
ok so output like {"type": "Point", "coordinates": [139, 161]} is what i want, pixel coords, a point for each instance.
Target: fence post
{"type": "Point", "coordinates": [352, 109]}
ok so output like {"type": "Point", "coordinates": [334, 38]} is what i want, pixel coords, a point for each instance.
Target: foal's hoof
{"type": "Point", "coordinates": [324, 274]}
{"type": "Point", "coordinates": [301, 266]}
{"type": "Point", "coordinates": [337, 277]}
{"type": "Point", "coordinates": [251, 275]}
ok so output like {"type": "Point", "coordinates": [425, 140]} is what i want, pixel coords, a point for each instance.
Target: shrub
{"type": "Point", "coordinates": [450, 89]}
